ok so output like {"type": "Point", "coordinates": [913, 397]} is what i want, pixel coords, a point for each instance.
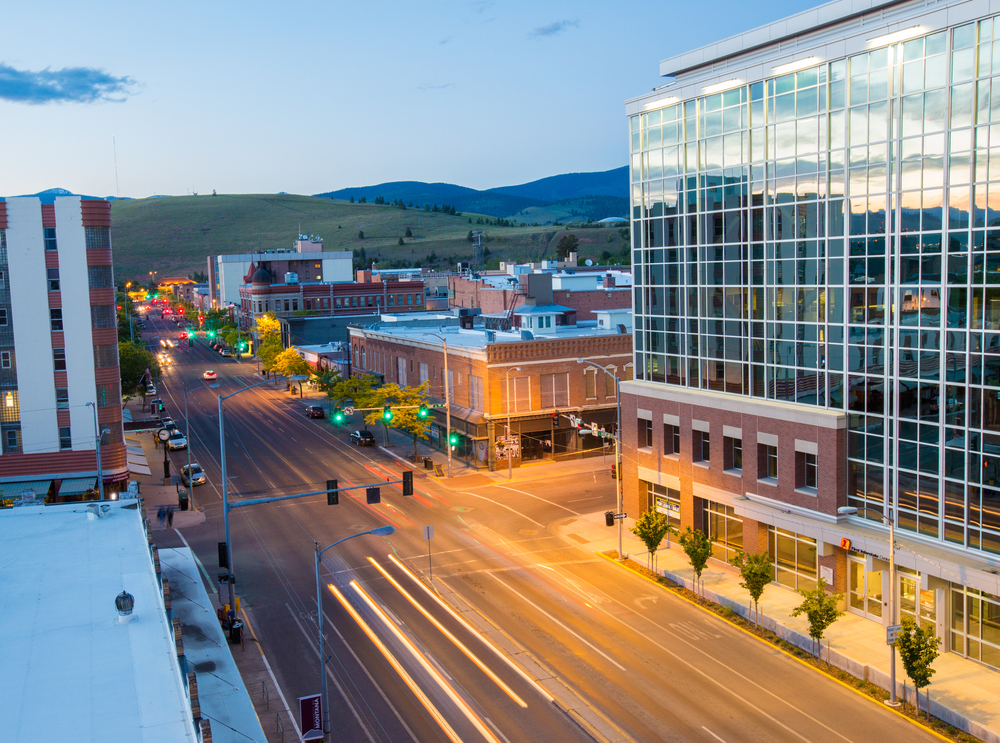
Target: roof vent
{"type": "Point", "coordinates": [124, 602]}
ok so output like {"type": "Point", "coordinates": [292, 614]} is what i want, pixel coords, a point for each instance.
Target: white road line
{"type": "Point", "coordinates": [556, 621]}
{"type": "Point", "coordinates": [712, 734]}
{"type": "Point", "coordinates": [543, 500]}
{"type": "Point", "coordinates": [503, 505]}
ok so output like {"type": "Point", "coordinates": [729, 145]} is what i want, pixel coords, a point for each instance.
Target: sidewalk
{"type": "Point", "coordinates": [963, 693]}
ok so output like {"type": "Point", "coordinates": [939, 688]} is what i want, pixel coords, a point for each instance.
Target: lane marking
{"type": "Point", "coordinates": [712, 734]}
{"type": "Point", "coordinates": [499, 653]}
{"type": "Point", "coordinates": [447, 633]}
{"type": "Point", "coordinates": [543, 500]}
{"type": "Point", "coordinates": [504, 505]}
{"type": "Point", "coordinates": [551, 618]}
{"type": "Point", "coordinates": [397, 666]}
{"type": "Point", "coordinates": [428, 667]}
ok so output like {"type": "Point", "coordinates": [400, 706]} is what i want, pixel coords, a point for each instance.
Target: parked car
{"type": "Point", "coordinates": [315, 411]}
{"type": "Point", "coordinates": [150, 389]}
{"type": "Point", "coordinates": [167, 422]}
{"type": "Point", "coordinates": [177, 440]}
{"type": "Point", "coordinates": [210, 375]}
{"type": "Point", "coordinates": [363, 438]}
{"type": "Point", "coordinates": [195, 477]}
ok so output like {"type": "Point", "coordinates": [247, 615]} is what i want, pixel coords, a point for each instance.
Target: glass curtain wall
{"type": "Point", "coordinates": [790, 234]}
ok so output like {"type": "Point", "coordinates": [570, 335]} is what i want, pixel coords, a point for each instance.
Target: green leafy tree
{"type": "Point", "coordinates": [755, 572]}
{"type": "Point", "coordinates": [358, 390]}
{"type": "Point", "coordinates": [288, 363]}
{"type": "Point", "coordinates": [698, 548]}
{"type": "Point", "coordinates": [821, 610]}
{"type": "Point", "coordinates": [566, 245]}
{"type": "Point", "coordinates": [398, 397]}
{"type": "Point", "coordinates": [133, 361]}
{"type": "Point", "coordinates": [267, 325]}
{"type": "Point", "coordinates": [651, 527]}
{"type": "Point", "coordinates": [918, 648]}
{"type": "Point", "coordinates": [268, 350]}
{"type": "Point", "coordinates": [409, 232]}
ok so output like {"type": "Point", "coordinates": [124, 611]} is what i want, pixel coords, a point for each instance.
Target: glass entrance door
{"type": "Point", "coordinates": [865, 590]}
{"type": "Point", "coordinates": [914, 603]}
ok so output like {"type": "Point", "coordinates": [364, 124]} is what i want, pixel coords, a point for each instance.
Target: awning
{"type": "Point", "coordinates": [14, 489]}
{"type": "Point", "coordinates": [77, 485]}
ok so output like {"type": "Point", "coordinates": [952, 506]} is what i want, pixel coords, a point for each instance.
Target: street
{"type": "Point", "coordinates": [528, 618]}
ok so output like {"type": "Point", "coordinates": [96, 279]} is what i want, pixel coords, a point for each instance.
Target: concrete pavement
{"type": "Point", "coordinates": [963, 693]}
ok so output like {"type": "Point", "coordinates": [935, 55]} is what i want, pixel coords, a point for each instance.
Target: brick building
{"type": "Point", "coordinates": [58, 348]}
{"type": "Point", "coordinates": [549, 386]}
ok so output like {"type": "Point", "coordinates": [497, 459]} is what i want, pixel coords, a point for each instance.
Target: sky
{"type": "Point", "coordinates": [306, 97]}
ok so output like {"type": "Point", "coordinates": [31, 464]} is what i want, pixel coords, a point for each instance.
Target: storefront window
{"type": "Point", "coordinates": [793, 558]}
{"type": "Point", "coordinates": [665, 500]}
{"type": "Point", "coordinates": [725, 529]}
{"type": "Point", "coordinates": [975, 624]}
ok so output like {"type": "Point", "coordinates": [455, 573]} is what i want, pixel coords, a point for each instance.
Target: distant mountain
{"type": "Point", "coordinates": [508, 201]}
{"type": "Point", "coordinates": [572, 186]}
{"type": "Point", "coordinates": [48, 196]}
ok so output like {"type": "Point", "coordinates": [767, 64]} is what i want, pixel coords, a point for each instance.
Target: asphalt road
{"type": "Point", "coordinates": [403, 667]}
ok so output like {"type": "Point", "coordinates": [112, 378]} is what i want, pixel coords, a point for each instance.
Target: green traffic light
{"type": "Point", "coordinates": [387, 414]}
{"type": "Point", "coordinates": [423, 412]}
{"type": "Point", "coordinates": [453, 439]}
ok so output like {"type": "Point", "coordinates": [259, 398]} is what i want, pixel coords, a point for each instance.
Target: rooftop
{"type": "Point", "coordinates": [70, 670]}
{"type": "Point", "coordinates": [478, 338]}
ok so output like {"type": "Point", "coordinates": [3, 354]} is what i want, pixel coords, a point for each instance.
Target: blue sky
{"type": "Point", "coordinates": [306, 97]}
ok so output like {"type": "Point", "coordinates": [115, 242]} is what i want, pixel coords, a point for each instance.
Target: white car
{"type": "Point", "coordinates": [176, 441]}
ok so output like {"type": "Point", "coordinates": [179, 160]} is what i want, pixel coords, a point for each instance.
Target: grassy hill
{"type": "Point", "coordinates": [175, 235]}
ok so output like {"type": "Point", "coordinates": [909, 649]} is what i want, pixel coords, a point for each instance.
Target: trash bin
{"type": "Point", "coordinates": [236, 631]}
{"type": "Point", "coordinates": [428, 463]}
{"type": "Point", "coordinates": [182, 499]}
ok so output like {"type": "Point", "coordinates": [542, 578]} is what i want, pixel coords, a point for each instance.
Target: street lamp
{"type": "Point", "coordinates": [225, 483]}
{"type": "Point", "coordinates": [847, 511]}
{"type": "Point", "coordinates": [618, 438]}
{"type": "Point", "coordinates": [447, 400]}
{"type": "Point", "coordinates": [382, 531]}
{"type": "Point", "coordinates": [510, 471]}
{"type": "Point", "coordinates": [97, 446]}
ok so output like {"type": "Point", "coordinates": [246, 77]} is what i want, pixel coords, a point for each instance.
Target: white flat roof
{"type": "Point", "coordinates": [476, 338]}
{"type": "Point", "coordinates": [69, 670]}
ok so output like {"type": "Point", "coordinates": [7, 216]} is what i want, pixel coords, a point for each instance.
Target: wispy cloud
{"type": "Point", "coordinates": [68, 85]}
{"type": "Point", "coordinates": [481, 6]}
{"type": "Point", "coordinates": [554, 29]}
{"type": "Point", "coordinates": [446, 40]}
{"type": "Point", "coordinates": [428, 86]}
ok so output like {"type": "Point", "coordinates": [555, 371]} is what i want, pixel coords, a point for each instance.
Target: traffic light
{"type": "Point", "coordinates": [243, 345]}
{"type": "Point", "coordinates": [201, 319]}
{"type": "Point", "coordinates": [407, 482]}
{"type": "Point", "coordinates": [555, 416]}
{"type": "Point", "coordinates": [423, 412]}
{"type": "Point", "coordinates": [223, 555]}
{"type": "Point", "coordinates": [453, 438]}
{"type": "Point", "coordinates": [609, 518]}
{"type": "Point", "coordinates": [211, 334]}
{"type": "Point", "coordinates": [387, 414]}
{"type": "Point", "coordinates": [373, 495]}
{"type": "Point", "coordinates": [332, 496]}
{"type": "Point", "coordinates": [338, 415]}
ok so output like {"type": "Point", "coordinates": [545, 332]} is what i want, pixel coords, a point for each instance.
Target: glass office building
{"type": "Point", "coordinates": [816, 221]}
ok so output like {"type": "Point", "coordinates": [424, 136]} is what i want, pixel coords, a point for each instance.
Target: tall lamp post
{"type": "Point", "coordinates": [510, 470]}
{"type": "Point", "coordinates": [447, 400]}
{"type": "Point", "coordinates": [225, 484]}
{"type": "Point", "coordinates": [382, 531]}
{"type": "Point", "coordinates": [618, 448]}
{"type": "Point", "coordinates": [98, 434]}
{"type": "Point", "coordinates": [850, 510]}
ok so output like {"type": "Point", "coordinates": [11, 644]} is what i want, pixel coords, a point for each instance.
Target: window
{"type": "Point", "coordinates": [105, 356]}
{"type": "Point", "coordinates": [767, 459]}
{"type": "Point", "coordinates": [418, 299]}
{"type": "Point", "coordinates": [665, 500]}
{"type": "Point", "coordinates": [476, 392]}
{"type": "Point", "coordinates": [609, 381]}
{"type": "Point", "coordinates": [99, 277]}
{"type": "Point", "coordinates": [3, 281]}
{"type": "Point", "coordinates": [645, 433]}
{"type": "Point", "coordinates": [5, 360]}
{"type": "Point", "coordinates": [97, 238]}
{"type": "Point", "coordinates": [59, 358]}
{"type": "Point", "coordinates": [520, 394]}
{"type": "Point", "coordinates": [805, 470]}
{"type": "Point", "coordinates": [590, 380]}
{"type": "Point", "coordinates": [3, 316]}
{"type": "Point", "coordinates": [65, 438]}
{"type": "Point", "coordinates": [671, 440]}
{"type": "Point", "coordinates": [734, 453]}
{"type": "Point", "coordinates": [53, 277]}
{"type": "Point", "coordinates": [793, 559]}
{"type": "Point", "coordinates": [295, 305]}
{"type": "Point", "coordinates": [11, 442]}
{"type": "Point", "coordinates": [55, 319]}
{"type": "Point", "coordinates": [50, 238]}
{"type": "Point", "coordinates": [336, 303]}
{"type": "Point", "coordinates": [409, 299]}
{"type": "Point", "coordinates": [725, 530]}
{"type": "Point", "coordinates": [702, 447]}
{"type": "Point", "coordinates": [103, 316]}
{"type": "Point", "coordinates": [554, 390]}
{"type": "Point", "coordinates": [107, 394]}
{"type": "Point", "coordinates": [62, 398]}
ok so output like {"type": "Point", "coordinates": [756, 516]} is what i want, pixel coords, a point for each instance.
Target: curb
{"type": "Point", "coordinates": [779, 649]}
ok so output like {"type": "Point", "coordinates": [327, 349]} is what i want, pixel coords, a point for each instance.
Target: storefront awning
{"type": "Point", "coordinates": [14, 489]}
{"type": "Point", "coordinates": [77, 485]}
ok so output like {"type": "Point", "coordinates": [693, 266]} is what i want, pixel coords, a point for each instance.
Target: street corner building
{"type": "Point", "coordinates": [816, 246]}
{"type": "Point", "coordinates": [59, 377]}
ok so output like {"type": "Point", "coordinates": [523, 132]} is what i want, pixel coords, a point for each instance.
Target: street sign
{"type": "Point", "coordinates": [891, 633]}
{"type": "Point", "coordinates": [349, 410]}
{"type": "Point", "coordinates": [619, 516]}
{"type": "Point", "coordinates": [311, 717]}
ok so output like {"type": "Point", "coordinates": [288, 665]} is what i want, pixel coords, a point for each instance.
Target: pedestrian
{"type": "Point", "coordinates": [161, 515]}
{"type": "Point", "coordinates": [156, 441]}
{"type": "Point", "coordinates": [170, 517]}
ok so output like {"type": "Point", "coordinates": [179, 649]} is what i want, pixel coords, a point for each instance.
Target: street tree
{"type": "Point", "coordinates": [651, 527]}
{"type": "Point", "coordinates": [918, 648]}
{"type": "Point", "coordinates": [406, 420]}
{"type": "Point", "coordinates": [267, 325]}
{"type": "Point", "coordinates": [326, 380]}
{"type": "Point", "coordinates": [566, 245]}
{"type": "Point", "coordinates": [698, 548]}
{"type": "Point", "coordinates": [133, 363]}
{"type": "Point", "coordinates": [288, 363]}
{"type": "Point", "coordinates": [269, 348]}
{"type": "Point", "coordinates": [755, 571]}
{"type": "Point", "coordinates": [821, 610]}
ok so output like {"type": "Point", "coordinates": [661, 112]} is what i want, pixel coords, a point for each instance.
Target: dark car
{"type": "Point", "coordinates": [315, 411]}
{"type": "Point", "coordinates": [363, 438]}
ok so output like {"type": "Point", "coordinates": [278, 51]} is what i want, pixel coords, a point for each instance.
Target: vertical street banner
{"type": "Point", "coordinates": [311, 717]}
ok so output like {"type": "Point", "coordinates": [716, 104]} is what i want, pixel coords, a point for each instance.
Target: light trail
{"type": "Point", "coordinates": [470, 715]}
{"type": "Point", "coordinates": [471, 629]}
{"type": "Point", "coordinates": [447, 633]}
{"type": "Point", "coordinates": [428, 705]}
